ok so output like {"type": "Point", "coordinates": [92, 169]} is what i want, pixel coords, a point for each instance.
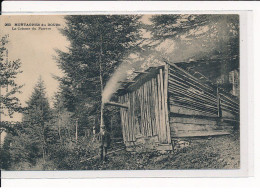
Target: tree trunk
{"type": "Point", "coordinates": [76, 131]}
{"type": "Point", "coordinates": [0, 123]}
{"type": "Point", "coordinates": [59, 127]}
{"type": "Point", "coordinates": [43, 148]}
{"type": "Point", "coordinates": [101, 81]}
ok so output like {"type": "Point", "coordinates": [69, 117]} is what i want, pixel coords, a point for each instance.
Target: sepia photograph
{"type": "Point", "coordinates": [120, 92]}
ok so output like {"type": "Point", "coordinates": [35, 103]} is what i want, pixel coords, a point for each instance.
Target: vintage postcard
{"type": "Point", "coordinates": [120, 92]}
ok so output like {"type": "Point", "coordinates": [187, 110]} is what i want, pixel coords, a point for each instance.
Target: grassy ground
{"type": "Point", "coordinates": [220, 152]}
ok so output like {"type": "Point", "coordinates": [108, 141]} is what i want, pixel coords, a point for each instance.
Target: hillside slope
{"type": "Point", "coordinates": [222, 152]}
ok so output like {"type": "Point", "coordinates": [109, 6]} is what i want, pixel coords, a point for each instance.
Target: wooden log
{"type": "Point", "coordinates": [152, 113]}
{"type": "Point", "coordinates": [228, 103]}
{"type": "Point", "coordinates": [141, 110]}
{"type": "Point", "coordinates": [150, 107]}
{"type": "Point", "coordinates": [127, 119]}
{"type": "Point", "coordinates": [188, 104]}
{"type": "Point", "coordinates": [160, 109]}
{"type": "Point", "coordinates": [193, 108]}
{"type": "Point", "coordinates": [125, 122]}
{"type": "Point", "coordinates": [187, 79]}
{"type": "Point", "coordinates": [229, 106]}
{"type": "Point", "coordinates": [228, 95]}
{"type": "Point", "coordinates": [203, 133]}
{"type": "Point", "coordinates": [229, 99]}
{"type": "Point", "coordinates": [188, 82]}
{"type": "Point", "coordinates": [141, 72]}
{"type": "Point", "coordinates": [134, 116]}
{"type": "Point", "coordinates": [145, 121]}
{"type": "Point", "coordinates": [179, 92]}
{"type": "Point", "coordinates": [122, 119]}
{"type": "Point", "coordinates": [168, 131]}
{"type": "Point", "coordinates": [186, 86]}
{"type": "Point", "coordinates": [122, 124]}
{"type": "Point", "coordinates": [163, 108]}
{"type": "Point", "coordinates": [117, 104]}
{"type": "Point", "coordinates": [156, 105]}
{"type": "Point", "coordinates": [194, 102]}
{"type": "Point", "coordinates": [130, 117]}
{"type": "Point", "coordinates": [147, 109]}
{"type": "Point", "coordinates": [196, 121]}
{"type": "Point", "coordinates": [126, 81]}
{"type": "Point", "coordinates": [143, 116]}
{"type": "Point", "coordinates": [178, 95]}
{"type": "Point", "coordinates": [173, 86]}
{"type": "Point", "coordinates": [188, 75]}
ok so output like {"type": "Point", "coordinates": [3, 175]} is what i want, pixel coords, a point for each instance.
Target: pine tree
{"type": "Point", "coordinates": [9, 103]}
{"type": "Point", "coordinates": [37, 121]}
{"type": "Point", "coordinates": [62, 119]}
{"type": "Point", "coordinates": [8, 73]}
{"type": "Point", "coordinates": [98, 44]}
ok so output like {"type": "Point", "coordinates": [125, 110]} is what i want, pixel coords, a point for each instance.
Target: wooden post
{"type": "Point", "coordinates": [155, 91]}
{"type": "Point", "coordinates": [111, 124]}
{"type": "Point", "coordinates": [218, 104]}
{"type": "Point", "coordinates": [163, 108]}
{"type": "Point", "coordinates": [160, 109]}
{"type": "Point", "coordinates": [168, 132]}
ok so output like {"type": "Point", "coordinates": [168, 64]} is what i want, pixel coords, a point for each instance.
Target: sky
{"type": "Point", "coordinates": [35, 49]}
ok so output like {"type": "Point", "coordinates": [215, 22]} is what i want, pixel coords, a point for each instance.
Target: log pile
{"type": "Point", "coordinates": [186, 91]}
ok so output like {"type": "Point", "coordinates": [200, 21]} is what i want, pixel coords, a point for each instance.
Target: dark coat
{"type": "Point", "coordinates": [104, 139]}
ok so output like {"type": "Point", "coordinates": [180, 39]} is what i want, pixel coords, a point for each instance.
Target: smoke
{"type": "Point", "coordinates": [121, 74]}
{"type": "Point", "coordinates": [126, 69]}
{"type": "Point", "coordinates": [196, 44]}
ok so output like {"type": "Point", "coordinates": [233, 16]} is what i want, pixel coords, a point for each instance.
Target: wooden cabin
{"type": "Point", "coordinates": [167, 103]}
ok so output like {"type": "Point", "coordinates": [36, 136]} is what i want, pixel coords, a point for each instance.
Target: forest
{"type": "Point", "coordinates": [104, 50]}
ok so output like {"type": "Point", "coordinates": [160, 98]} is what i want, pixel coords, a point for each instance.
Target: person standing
{"type": "Point", "coordinates": [104, 142]}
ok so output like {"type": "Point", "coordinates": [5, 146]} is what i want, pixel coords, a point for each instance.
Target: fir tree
{"type": "Point", "coordinates": [8, 73]}
{"type": "Point", "coordinates": [37, 122]}
{"type": "Point", "coordinates": [9, 103]}
{"type": "Point", "coordinates": [98, 44]}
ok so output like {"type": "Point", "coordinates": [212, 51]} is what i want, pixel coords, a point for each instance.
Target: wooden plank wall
{"type": "Point", "coordinates": [150, 100]}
